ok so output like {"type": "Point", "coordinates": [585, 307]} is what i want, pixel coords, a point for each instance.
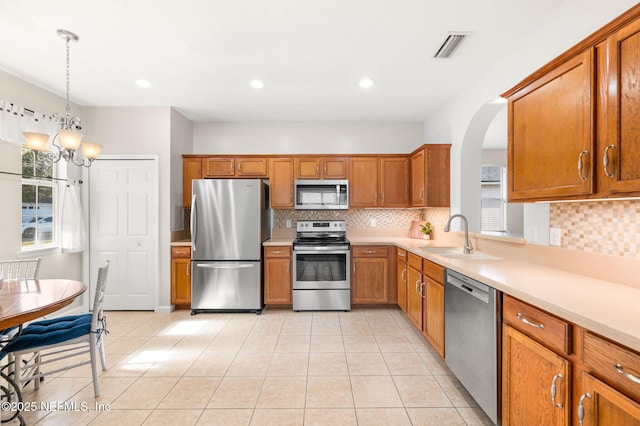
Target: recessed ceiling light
{"type": "Point", "coordinates": [143, 83]}
{"type": "Point", "coordinates": [256, 84]}
{"type": "Point", "coordinates": [366, 82]}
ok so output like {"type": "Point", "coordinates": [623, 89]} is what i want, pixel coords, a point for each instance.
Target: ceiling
{"type": "Point", "coordinates": [200, 55]}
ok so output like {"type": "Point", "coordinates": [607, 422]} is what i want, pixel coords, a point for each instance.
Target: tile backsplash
{"type": "Point", "coordinates": [605, 227]}
{"type": "Point", "coordinates": [361, 218]}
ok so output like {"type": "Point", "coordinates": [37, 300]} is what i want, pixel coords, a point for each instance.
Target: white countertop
{"type": "Point", "coordinates": [604, 307]}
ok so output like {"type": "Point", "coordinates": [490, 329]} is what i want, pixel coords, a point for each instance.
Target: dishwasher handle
{"type": "Point", "coordinates": [471, 287]}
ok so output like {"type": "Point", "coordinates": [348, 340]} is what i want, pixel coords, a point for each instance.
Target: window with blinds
{"type": "Point", "coordinates": [494, 199]}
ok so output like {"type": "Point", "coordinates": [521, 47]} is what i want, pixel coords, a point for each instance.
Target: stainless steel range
{"type": "Point", "coordinates": [321, 279]}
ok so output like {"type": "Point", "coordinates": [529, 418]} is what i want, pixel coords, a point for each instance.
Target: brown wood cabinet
{"type": "Point", "coordinates": [191, 169]}
{"type": "Point", "coordinates": [281, 183]}
{"type": "Point", "coordinates": [433, 304]}
{"type": "Point", "coordinates": [370, 274]}
{"type": "Point", "coordinates": [596, 380]}
{"type": "Point", "coordinates": [320, 167]}
{"type": "Point", "coordinates": [601, 404]}
{"type": "Point", "coordinates": [528, 371]}
{"type": "Point", "coordinates": [277, 275]}
{"type": "Point", "coordinates": [414, 290]}
{"type": "Point", "coordinates": [573, 130]}
{"type": "Point", "coordinates": [394, 182]}
{"type": "Point", "coordinates": [401, 278]}
{"type": "Point", "coordinates": [551, 136]}
{"type": "Point", "coordinates": [430, 176]}
{"type": "Point", "coordinates": [378, 181]}
{"type": "Point", "coordinates": [228, 166]}
{"type": "Point", "coordinates": [363, 181]}
{"type": "Point", "coordinates": [181, 276]}
{"type": "Point", "coordinates": [619, 134]}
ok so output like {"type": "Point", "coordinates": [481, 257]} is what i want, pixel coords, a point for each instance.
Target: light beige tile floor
{"type": "Point", "coordinates": [364, 367]}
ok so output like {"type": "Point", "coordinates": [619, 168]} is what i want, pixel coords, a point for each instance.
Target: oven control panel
{"type": "Point", "coordinates": [321, 225]}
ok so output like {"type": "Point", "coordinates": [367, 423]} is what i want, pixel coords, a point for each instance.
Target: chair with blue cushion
{"type": "Point", "coordinates": [56, 339]}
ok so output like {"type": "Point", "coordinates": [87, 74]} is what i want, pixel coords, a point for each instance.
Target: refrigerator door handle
{"type": "Point", "coordinates": [192, 225]}
{"type": "Point", "coordinates": [225, 265]}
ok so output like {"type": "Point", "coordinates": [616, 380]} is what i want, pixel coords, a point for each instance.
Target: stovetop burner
{"type": "Point", "coordinates": [321, 234]}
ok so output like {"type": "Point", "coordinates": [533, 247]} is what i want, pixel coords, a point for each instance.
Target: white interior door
{"type": "Point", "coordinates": [123, 228]}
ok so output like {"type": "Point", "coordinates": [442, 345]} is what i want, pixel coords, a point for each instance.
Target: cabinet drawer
{"type": "Point", "coordinates": [433, 270]}
{"type": "Point", "coordinates": [369, 251]}
{"type": "Point", "coordinates": [402, 254]}
{"type": "Point", "coordinates": [615, 364]}
{"type": "Point", "coordinates": [277, 251]}
{"type": "Point", "coordinates": [549, 330]}
{"type": "Point", "coordinates": [181, 252]}
{"type": "Point", "coordinates": [415, 261]}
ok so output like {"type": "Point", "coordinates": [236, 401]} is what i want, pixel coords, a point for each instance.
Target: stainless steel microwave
{"type": "Point", "coordinates": [327, 194]}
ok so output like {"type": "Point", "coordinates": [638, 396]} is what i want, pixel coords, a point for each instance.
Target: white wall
{"type": "Point", "coordinates": [454, 121]}
{"type": "Point", "coordinates": [306, 138]}
{"type": "Point", "coordinates": [57, 265]}
{"type": "Point", "coordinates": [181, 143]}
{"type": "Point", "coordinates": [141, 130]}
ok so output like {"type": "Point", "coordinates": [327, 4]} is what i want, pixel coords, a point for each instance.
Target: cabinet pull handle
{"type": "Point", "coordinates": [605, 161]}
{"type": "Point", "coordinates": [231, 165]}
{"type": "Point", "coordinates": [526, 321]}
{"type": "Point", "coordinates": [317, 169]}
{"type": "Point", "coordinates": [188, 268]}
{"type": "Point", "coordinates": [581, 164]}
{"type": "Point", "coordinates": [422, 194]}
{"type": "Point", "coordinates": [400, 255]}
{"type": "Point", "coordinates": [370, 251]}
{"type": "Point", "coordinates": [632, 377]}
{"type": "Point", "coordinates": [554, 390]}
{"type": "Point", "coordinates": [325, 169]}
{"type": "Point", "coordinates": [421, 287]}
{"type": "Point", "coordinates": [581, 408]}
{"type": "Point", "coordinates": [383, 197]}
{"type": "Point", "coordinates": [417, 282]}
{"type": "Point", "coordinates": [404, 273]}
{"type": "Point", "coordinates": [239, 166]}
{"type": "Point", "coordinates": [276, 252]}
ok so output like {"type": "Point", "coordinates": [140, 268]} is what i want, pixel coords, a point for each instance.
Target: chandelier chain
{"type": "Point", "coordinates": [68, 76]}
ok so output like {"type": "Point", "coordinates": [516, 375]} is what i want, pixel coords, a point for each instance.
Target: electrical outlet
{"type": "Point", "coordinates": [288, 223]}
{"type": "Point", "coordinates": [372, 223]}
{"type": "Point", "coordinates": [555, 236]}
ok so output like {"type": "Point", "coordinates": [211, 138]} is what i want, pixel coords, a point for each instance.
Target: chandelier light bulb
{"type": "Point", "coordinates": [36, 141]}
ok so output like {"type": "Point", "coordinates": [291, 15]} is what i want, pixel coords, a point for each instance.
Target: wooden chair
{"type": "Point", "coordinates": [48, 341]}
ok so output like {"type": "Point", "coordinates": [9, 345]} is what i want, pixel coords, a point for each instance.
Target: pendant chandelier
{"type": "Point", "coordinates": [68, 140]}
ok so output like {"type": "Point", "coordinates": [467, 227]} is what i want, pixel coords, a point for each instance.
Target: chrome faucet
{"type": "Point", "coordinates": [467, 244]}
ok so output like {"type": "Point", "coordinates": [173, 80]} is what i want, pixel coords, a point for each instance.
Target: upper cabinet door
{"type": "Point", "coordinates": [551, 133]}
{"type": "Point", "coordinates": [218, 167]}
{"type": "Point", "coordinates": [281, 183]}
{"type": "Point", "coordinates": [334, 168]}
{"type": "Point", "coordinates": [418, 179]}
{"type": "Point", "coordinates": [394, 182]}
{"type": "Point", "coordinates": [619, 151]}
{"type": "Point", "coordinates": [252, 166]}
{"type": "Point", "coordinates": [363, 182]}
{"type": "Point", "coordinates": [321, 167]}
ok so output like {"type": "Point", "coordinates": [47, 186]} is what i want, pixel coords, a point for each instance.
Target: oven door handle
{"type": "Point", "coordinates": [321, 251]}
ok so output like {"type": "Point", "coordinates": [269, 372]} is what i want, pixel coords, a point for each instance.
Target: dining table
{"type": "Point", "coordinates": [22, 301]}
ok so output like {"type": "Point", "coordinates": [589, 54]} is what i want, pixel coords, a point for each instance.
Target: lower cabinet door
{"type": "Point", "coordinates": [600, 404]}
{"type": "Point", "coordinates": [529, 370]}
{"type": "Point", "coordinates": [277, 281]}
{"type": "Point", "coordinates": [414, 297]}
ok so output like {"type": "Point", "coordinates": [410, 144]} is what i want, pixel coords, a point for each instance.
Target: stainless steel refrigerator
{"type": "Point", "coordinates": [229, 222]}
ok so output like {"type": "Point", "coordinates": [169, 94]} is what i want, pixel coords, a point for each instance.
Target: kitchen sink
{"type": "Point", "coordinates": [457, 253]}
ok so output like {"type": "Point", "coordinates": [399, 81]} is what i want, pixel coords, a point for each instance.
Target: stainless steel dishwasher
{"type": "Point", "coordinates": [472, 324]}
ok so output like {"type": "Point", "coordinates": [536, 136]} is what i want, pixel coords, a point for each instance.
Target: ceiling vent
{"type": "Point", "coordinates": [450, 44]}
